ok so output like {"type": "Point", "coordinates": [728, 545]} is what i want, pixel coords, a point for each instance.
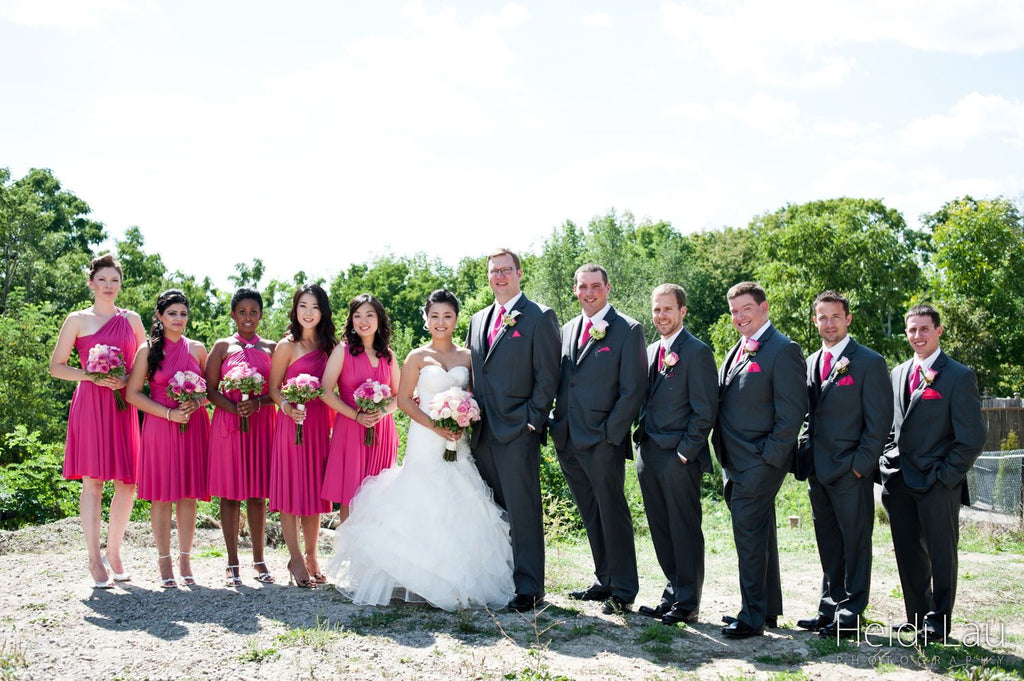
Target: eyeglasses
{"type": "Point", "coordinates": [501, 272]}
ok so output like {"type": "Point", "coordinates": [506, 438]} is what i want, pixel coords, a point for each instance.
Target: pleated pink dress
{"type": "Point", "coordinates": [351, 461]}
{"type": "Point", "coordinates": [174, 465]}
{"type": "Point", "coordinates": [103, 442]}
{"type": "Point", "coordinates": [297, 471]}
{"type": "Point", "coordinates": [240, 462]}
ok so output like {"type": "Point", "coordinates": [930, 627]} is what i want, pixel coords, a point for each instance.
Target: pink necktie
{"type": "Point", "coordinates": [661, 358]}
{"type": "Point", "coordinates": [497, 325]}
{"type": "Point", "coordinates": [738, 357]}
{"type": "Point", "coordinates": [826, 366]}
{"type": "Point", "coordinates": [585, 336]}
{"type": "Point", "coordinates": [915, 378]}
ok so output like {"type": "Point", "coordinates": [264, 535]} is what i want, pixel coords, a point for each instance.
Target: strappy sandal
{"type": "Point", "coordinates": [265, 577]}
{"type": "Point", "coordinates": [319, 577]}
{"type": "Point", "coordinates": [170, 582]}
{"type": "Point", "coordinates": [187, 580]}
{"type": "Point", "coordinates": [232, 578]}
{"type": "Point", "coordinates": [118, 576]}
{"type": "Point", "coordinates": [301, 583]}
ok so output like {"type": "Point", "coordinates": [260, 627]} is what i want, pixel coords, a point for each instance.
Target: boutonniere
{"type": "Point", "coordinates": [510, 318]}
{"type": "Point", "coordinates": [668, 361]}
{"type": "Point", "coordinates": [751, 346]}
{"type": "Point", "coordinates": [598, 330]}
{"type": "Point", "coordinates": [929, 375]}
{"type": "Point", "coordinates": [842, 366]}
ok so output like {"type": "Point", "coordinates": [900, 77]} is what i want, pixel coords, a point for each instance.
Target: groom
{"type": "Point", "coordinates": [515, 348]}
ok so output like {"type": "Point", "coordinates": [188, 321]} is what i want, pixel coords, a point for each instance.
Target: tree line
{"type": "Point", "coordinates": [967, 259]}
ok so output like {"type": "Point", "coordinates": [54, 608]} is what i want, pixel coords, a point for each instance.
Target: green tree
{"type": "Point", "coordinates": [978, 276]}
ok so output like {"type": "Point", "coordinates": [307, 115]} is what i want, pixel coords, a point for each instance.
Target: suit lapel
{"type": "Point", "coordinates": [830, 380]}
{"type": "Point", "coordinates": [937, 366]}
{"type": "Point", "coordinates": [609, 318]}
{"type": "Point", "coordinates": [504, 327]}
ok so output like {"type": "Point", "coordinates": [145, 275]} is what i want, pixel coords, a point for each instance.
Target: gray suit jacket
{"type": "Point", "coordinates": [849, 415]}
{"type": "Point", "coordinates": [939, 432]}
{"type": "Point", "coordinates": [601, 385]}
{"type": "Point", "coordinates": [515, 379]}
{"type": "Point", "coordinates": [681, 404]}
{"type": "Point", "coordinates": [761, 405]}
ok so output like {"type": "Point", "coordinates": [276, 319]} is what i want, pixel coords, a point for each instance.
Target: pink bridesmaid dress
{"type": "Point", "coordinates": [240, 462]}
{"type": "Point", "coordinates": [351, 461]}
{"type": "Point", "coordinates": [297, 471]}
{"type": "Point", "coordinates": [173, 464]}
{"type": "Point", "coordinates": [103, 442]}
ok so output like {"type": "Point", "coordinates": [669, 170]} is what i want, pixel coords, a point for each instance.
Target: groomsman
{"type": "Point", "coordinates": [677, 415]}
{"type": "Point", "coordinates": [602, 382]}
{"type": "Point", "coordinates": [937, 433]}
{"type": "Point", "coordinates": [514, 345]}
{"type": "Point", "coordinates": [762, 404]}
{"type": "Point", "coordinates": [848, 420]}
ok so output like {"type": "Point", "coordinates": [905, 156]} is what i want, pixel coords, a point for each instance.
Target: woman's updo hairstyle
{"type": "Point", "coordinates": [441, 295]}
{"type": "Point", "coordinates": [106, 260]}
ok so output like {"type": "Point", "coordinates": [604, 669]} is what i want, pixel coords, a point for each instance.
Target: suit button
{"type": "Point", "coordinates": [572, 384]}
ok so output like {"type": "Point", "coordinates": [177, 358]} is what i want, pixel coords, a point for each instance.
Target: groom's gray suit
{"type": "Point", "coordinates": [514, 382]}
{"type": "Point", "coordinates": [599, 395]}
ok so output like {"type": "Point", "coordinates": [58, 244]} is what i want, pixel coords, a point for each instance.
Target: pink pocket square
{"type": "Point", "coordinates": [605, 349]}
{"type": "Point", "coordinates": [754, 368]}
{"type": "Point", "coordinates": [516, 334]}
{"type": "Point", "coordinates": [931, 394]}
{"type": "Point", "coordinates": [845, 380]}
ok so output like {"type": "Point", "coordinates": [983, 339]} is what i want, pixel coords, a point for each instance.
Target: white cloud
{"type": "Point", "coordinates": [972, 117]}
{"type": "Point", "coordinates": [597, 20]}
{"type": "Point", "coordinates": [688, 111]}
{"type": "Point", "coordinates": [762, 112]}
{"type": "Point", "coordinates": [65, 14]}
{"type": "Point", "coordinates": [801, 43]}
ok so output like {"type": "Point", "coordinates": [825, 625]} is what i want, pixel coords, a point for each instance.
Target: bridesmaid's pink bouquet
{"type": "Point", "coordinates": [372, 396]}
{"type": "Point", "coordinates": [104, 361]}
{"type": "Point", "coordinates": [186, 386]}
{"type": "Point", "coordinates": [245, 379]}
{"type": "Point", "coordinates": [453, 409]}
{"type": "Point", "coordinates": [299, 390]}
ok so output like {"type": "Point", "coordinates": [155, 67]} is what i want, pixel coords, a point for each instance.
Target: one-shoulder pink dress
{"type": "Point", "coordinates": [297, 471]}
{"type": "Point", "coordinates": [103, 442]}
{"type": "Point", "coordinates": [172, 464]}
{"type": "Point", "coordinates": [350, 461]}
{"type": "Point", "coordinates": [240, 462]}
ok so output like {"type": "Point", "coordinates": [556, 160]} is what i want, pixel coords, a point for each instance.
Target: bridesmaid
{"type": "Point", "coordinates": [103, 441]}
{"type": "Point", "coordinates": [172, 464]}
{"type": "Point", "coordinates": [297, 471]}
{"type": "Point", "coordinates": [366, 353]}
{"type": "Point", "coordinates": [240, 462]}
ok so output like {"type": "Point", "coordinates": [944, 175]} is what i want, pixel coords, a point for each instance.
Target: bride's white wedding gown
{"type": "Point", "coordinates": [428, 530]}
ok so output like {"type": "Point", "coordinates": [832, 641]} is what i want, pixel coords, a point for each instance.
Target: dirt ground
{"type": "Point", "coordinates": [53, 625]}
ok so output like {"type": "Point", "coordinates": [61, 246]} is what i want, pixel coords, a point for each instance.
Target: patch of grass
{"type": "Point", "coordinates": [886, 667]}
{"type": "Point", "coordinates": [991, 538]}
{"type": "Point", "coordinates": [788, 676]}
{"type": "Point", "coordinates": [657, 633]}
{"type": "Point", "coordinates": [317, 637]}
{"type": "Point", "coordinates": [984, 673]}
{"type": "Point", "coordinates": [11, 660]}
{"type": "Point", "coordinates": [580, 630]}
{"type": "Point", "coordinates": [974, 661]}
{"type": "Point", "coordinates": [663, 652]}
{"type": "Point", "coordinates": [376, 618]}
{"type": "Point", "coordinates": [257, 654]}
{"type": "Point", "coordinates": [210, 553]}
{"type": "Point", "coordinates": [35, 606]}
{"type": "Point", "coordinates": [782, 659]}
{"type": "Point", "coordinates": [828, 645]}
{"type": "Point", "coordinates": [464, 622]}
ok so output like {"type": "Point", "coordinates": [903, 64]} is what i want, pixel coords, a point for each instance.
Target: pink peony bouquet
{"type": "Point", "coordinates": [245, 379]}
{"type": "Point", "coordinates": [372, 396]}
{"type": "Point", "coordinates": [186, 386]}
{"type": "Point", "coordinates": [453, 409]}
{"type": "Point", "coordinates": [104, 361]}
{"type": "Point", "coordinates": [299, 390]}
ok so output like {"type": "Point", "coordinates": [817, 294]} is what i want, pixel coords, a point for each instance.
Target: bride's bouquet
{"type": "Point", "coordinates": [104, 361]}
{"type": "Point", "coordinates": [245, 379]}
{"type": "Point", "coordinates": [186, 386]}
{"type": "Point", "coordinates": [453, 409]}
{"type": "Point", "coordinates": [372, 396]}
{"type": "Point", "coordinates": [299, 390]}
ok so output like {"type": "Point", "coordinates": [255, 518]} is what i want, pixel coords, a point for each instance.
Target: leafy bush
{"type": "Point", "coordinates": [34, 491]}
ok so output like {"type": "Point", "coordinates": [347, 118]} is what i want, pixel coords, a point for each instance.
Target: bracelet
{"type": "Point", "coordinates": [259, 405]}
{"type": "Point", "coordinates": [168, 414]}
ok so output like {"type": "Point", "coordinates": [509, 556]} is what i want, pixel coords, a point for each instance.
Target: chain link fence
{"type": "Point", "coordinates": [995, 482]}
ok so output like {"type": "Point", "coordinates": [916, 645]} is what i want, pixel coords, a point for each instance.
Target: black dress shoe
{"type": "Point", "coordinates": [655, 612]}
{"type": "Point", "coordinates": [835, 630]}
{"type": "Point", "coordinates": [615, 606]}
{"type": "Point", "coordinates": [523, 603]}
{"type": "Point", "coordinates": [814, 623]}
{"type": "Point", "coordinates": [677, 615]}
{"type": "Point", "coordinates": [771, 621]}
{"type": "Point", "coordinates": [741, 630]}
{"type": "Point", "coordinates": [594, 593]}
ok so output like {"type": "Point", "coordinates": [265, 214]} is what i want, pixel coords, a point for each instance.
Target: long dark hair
{"type": "Point", "coordinates": [325, 327]}
{"type": "Point", "coordinates": [382, 337]}
{"type": "Point", "coordinates": [156, 332]}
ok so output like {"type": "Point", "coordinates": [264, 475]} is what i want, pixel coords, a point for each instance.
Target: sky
{"type": "Point", "coordinates": [318, 134]}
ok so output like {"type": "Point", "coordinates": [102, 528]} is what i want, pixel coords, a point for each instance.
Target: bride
{"type": "Point", "coordinates": [428, 530]}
